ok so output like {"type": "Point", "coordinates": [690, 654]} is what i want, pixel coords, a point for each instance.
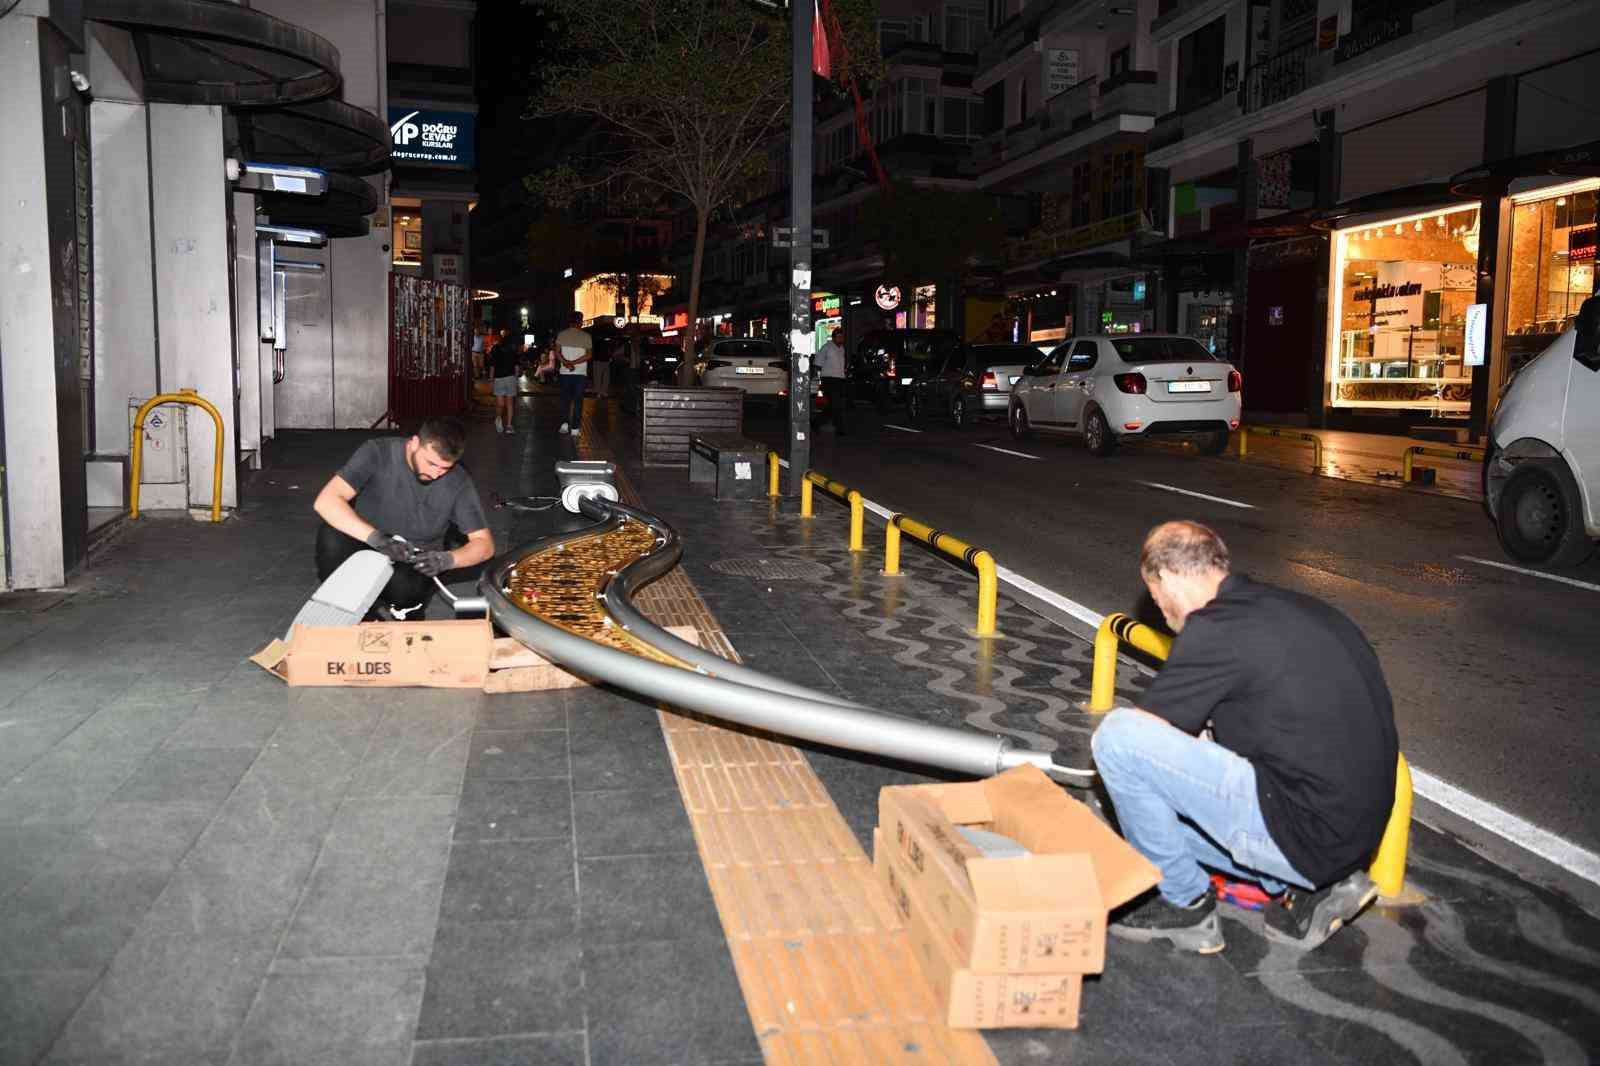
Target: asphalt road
{"type": "Point", "coordinates": [1493, 672]}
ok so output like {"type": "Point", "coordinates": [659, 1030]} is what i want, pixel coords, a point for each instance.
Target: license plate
{"type": "Point", "coordinates": [1188, 386]}
{"type": "Point", "coordinates": [1015, 378]}
{"type": "Point", "coordinates": [749, 370]}
{"type": "Point", "coordinates": [905, 381]}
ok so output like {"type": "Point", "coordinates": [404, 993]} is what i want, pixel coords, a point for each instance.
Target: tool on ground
{"type": "Point", "coordinates": [348, 594]}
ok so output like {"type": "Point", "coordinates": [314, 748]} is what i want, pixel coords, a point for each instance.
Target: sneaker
{"type": "Point", "coordinates": [574, 431]}
{"type": "Point", "coordinates": [563, 428]}
{"type": "Point", "coordinates": [1195, 927]}
{"type": "Point", "coordinates": [499, 426]}
{"type": "Point", "coordinates": [1304, 919]}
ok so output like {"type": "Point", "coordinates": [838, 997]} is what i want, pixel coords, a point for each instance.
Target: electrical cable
{"type": "Point", "coordinates": [10, 8]}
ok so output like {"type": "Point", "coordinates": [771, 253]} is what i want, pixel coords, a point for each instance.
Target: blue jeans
{"type": "Point", "coordinates": [572, 386]}
{"type": "Point", "coordinates": [1184, 803]}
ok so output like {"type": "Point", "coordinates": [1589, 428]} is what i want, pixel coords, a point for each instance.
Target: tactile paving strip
{"type": "Point", "coordinates": [827, 971]}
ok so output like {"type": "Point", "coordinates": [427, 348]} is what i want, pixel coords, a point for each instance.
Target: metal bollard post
{"type": "Point", "coordinates": [856, 520]}
{"type": "Point", "coordinates": [1405, 467]}
{"type": "Point", "coordinates": [1388, 867]}
{"type": "Point", "coordinates": [1244, 441]}
{"type": "Point", "coordinates": [772, 474]}
{"type": "Point", "coordinates": [1103, 680]}
{"type": "Point", "coordinates": [988, 593]}
{"type": "Point", "coordinates": [805, 498]}
{"type": "Point", "coordinates": [891, 548]}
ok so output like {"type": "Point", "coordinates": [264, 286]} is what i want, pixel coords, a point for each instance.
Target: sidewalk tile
{"type": "Point", "coordinates": [552, 1049]}
{"type": "Point", "coordinates": [35, 1005]}
{"type": "Point", "coordinates": [506, 754]}
{"type": "Point", "coordinates": [645, 898]}
{"type": "Point", "coordinates": [524, 712]}
{"type": "Point", "coordinates": [201, 777]}
{"type": "Point", "coordinates": [30, 739]}
{"type": "Point", "coordinates": [355, 905]}
{"type": "Point", "coordinates": [360, 1018]}
{"type": "Point", "coordinates": [631, 822]}
{"type": "Point", "coordinates": [393, 829]}
{"type": "Point", "coordinates": [631, 1023]}
{"type": "Point", "coordinates": [76, 914]}
{"type": "Point", "coordinates": [527, 809]}
{"type": "Point", "coordinates": [622, 755]}
{"type": "Point", "coordinates": [501, 978]}
{"type": "Point", "coordinates": [515, 881]}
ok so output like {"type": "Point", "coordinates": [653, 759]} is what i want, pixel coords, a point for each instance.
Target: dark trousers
{"type": "Point", "coordinates": [837, 391]}
{"type": "Point", "coordinates": [572, 386]}
{"type": "Point", "coordinates": [405, 589]}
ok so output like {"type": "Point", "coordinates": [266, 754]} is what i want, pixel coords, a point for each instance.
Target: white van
{"type": "Point", "coordinates": [1541, 473]}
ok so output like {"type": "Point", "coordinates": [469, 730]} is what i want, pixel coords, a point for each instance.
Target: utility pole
{"type": "Point", "coordinates": [800, 338]}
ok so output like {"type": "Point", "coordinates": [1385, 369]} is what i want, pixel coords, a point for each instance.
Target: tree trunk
{"type": "Point", "coordinates": [686, 367]}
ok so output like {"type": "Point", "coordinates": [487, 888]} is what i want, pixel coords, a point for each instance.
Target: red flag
{"type": "Point", "coordinates": [821, 62]}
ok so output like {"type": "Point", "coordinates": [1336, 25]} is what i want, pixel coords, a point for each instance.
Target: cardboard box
{"type": "Point", "coordinates": [974, 999]}
{"type": "Point", "coordinates": [1044, 912]}
{"type": "Point", "coordinates": [451, 654]}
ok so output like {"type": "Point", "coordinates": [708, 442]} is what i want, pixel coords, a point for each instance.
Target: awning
{"type": "Point", "coordinates": [330, 134]}
{"type": "Point", "coordinates": [340, 212]}
{"type": "Point", "coordinates": [1087, 261]}
{"type": "Point", "coordinates": [1491, 179]}
{"type": "Point", "coordinates": [212, 52]}
{"type": "Point", "coordinates": [1390, 202]}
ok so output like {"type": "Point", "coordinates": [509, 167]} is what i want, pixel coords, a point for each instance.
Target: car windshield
{"type": "Point", "coordinates": [987, 355]}
{"type": "Point", "coordinates": [745, 350]}
{"type": "Point", "coordinates": [1161, 350]}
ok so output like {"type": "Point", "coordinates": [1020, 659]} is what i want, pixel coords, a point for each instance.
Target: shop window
{"type": "Point", "coordinates": [1552, 271]}
{"type": "Point", "coordinates": [1200, 58]}
{"type": "Point", "coordinates": [1404, 288]}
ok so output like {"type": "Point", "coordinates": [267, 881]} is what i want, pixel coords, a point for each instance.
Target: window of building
{"type": "Point", "coordinates": [1200, 58]}
{"type": "Point", "coordinates": [1121, 61]}
{"type": "Point", "coordinates": [994, 107]}
{"type": "Point", "coordinates": [1552, 271]}
{"type": "Point", "coordinates": [1119, 183]}
{"type": "Point", "coordinates": [892, 33]}
{"type": "Point", "coordinates": [920, 104]}
{"type": "Point", "coordinates": [1022, 100]}
{"type": "Point", "coordinates": [963, 117]}
{"type": "Point", "coordinates": [964, 25]}
{"type": "Point", "coordinates": [1080, 194]}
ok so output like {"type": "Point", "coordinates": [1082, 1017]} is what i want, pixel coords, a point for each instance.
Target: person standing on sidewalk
{"type": "Point", "coordinates": [1265, 749]}
{"type": "Point", "coordinates": [574, 349]}
{"type": "Point", "coordinates": [506, 366]}
{"type": "Point", "coordinates": [600, 369]}
{"type": "Point", "coordinates": [835, 380]}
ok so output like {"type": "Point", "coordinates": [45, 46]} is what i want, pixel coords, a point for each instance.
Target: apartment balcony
{"type": "Point", "coordinates": [1075, 112]}
{"type": "Point", "coordinates": [1284, 75]}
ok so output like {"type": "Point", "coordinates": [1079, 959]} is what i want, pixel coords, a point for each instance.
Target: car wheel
{"type": "Point", "coordinates": [1097, 434]}
{"type": "Point", "coordinates": [1213, 443]}
{"type": "Point", "coordinates": [913, 408]}
{"type": "Point", "coordinates": [1541, 516]}
{"type": "Point", "coordinates": [1020, 429]}
{"type": "Point", "coordinates": [958, 413]}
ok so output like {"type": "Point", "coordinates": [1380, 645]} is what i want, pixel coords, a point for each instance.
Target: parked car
{"type": "Point", "coordinates": [887, 360]}
{"type": "Point", "coordinates": [758, 367]}
{"type": "Point", "coordinates": [1541, 468]}
{"type": "Point", "coordinates": [658, 363]}
{"type": "Point", "coordinates": [967, 383]}
{"type": "Point", "coordinates": [1111, 389]}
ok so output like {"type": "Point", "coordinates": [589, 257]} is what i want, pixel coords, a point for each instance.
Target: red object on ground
{"type": "Point", "coordinates": [1240, 893]}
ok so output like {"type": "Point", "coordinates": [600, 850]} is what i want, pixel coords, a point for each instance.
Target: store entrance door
{"type": "Point", "coordinates": [1281, 331]}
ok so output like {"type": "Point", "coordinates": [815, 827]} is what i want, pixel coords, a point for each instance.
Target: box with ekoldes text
{"type": "Point", "coordinates": [444, 654]}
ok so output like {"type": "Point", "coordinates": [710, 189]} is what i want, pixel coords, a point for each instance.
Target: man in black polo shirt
{"type": "Point", "coordinates": [1292, 786]}
{"type": "Point", "coordinates": [409, 488]}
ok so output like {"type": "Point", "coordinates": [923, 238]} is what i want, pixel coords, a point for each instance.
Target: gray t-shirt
{"type": "Point", "coordinates": [389, 495]}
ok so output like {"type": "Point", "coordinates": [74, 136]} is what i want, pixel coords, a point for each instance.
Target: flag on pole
{"type": "Point", "coordinates": [821, 62]}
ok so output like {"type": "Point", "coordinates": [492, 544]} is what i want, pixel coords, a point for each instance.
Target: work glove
{"type": "Point", "coordinates": [397, 550]}
{"type": "Point", "coordinates": [434, 563]}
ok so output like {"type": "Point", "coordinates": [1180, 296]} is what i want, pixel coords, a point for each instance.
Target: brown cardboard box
{"type": "Point", "coordinates": [974, 999]}
{"type": "Point", "coordinates": [1040, 913]}
{"type": "Point", "coordinates": [451, 654]}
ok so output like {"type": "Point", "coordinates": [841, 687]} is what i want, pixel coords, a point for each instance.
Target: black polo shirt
{"type": "Point", "coordinates": [389, 495]}
{"type": "Point", "coordinates": [1290, 683]}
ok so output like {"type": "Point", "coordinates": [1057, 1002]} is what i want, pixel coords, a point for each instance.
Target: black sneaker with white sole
{"type": "Point", "coordinates": [1194, 927]}
{"type": "Point", "coordinates": [1305, 920]}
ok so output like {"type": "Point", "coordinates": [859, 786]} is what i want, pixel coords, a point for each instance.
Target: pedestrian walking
{"type": "Point", "coordinates": [835, 380]}
{"type": "Point", "coordinates": [574, 348]}
{"type": "Point", "coordinates": [506, 366]}
{"type": "Point", "coordinates": [1265, 749]}
{"type": "Point", "coordinates": [600, 370]}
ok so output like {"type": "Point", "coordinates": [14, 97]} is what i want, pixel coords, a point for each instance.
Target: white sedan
{"type": "Point", "coordinates": [758, 367]}
{"type": "Point", "coordinates": [1111, 389]}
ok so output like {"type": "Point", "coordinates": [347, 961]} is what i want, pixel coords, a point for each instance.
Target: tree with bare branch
{"type": "Point", "coordinates": [685, 95]}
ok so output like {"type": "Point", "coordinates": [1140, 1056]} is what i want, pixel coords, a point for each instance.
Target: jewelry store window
{"type": "Point", "coordinates": [1552, 270]}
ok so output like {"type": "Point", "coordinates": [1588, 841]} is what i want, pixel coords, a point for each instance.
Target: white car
{"type": "Point", "coordinates": [758, 367]}
{"type": "Point", "coordinates": [1541, 470]}
{"type": "Point", "coordinates": [1117, 388]}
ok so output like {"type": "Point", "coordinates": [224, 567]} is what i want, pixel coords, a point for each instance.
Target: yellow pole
{"type": "Point", "coordinates": [856, 520]}
{"type": "Point", "coordinates": [1316, 450]}
{"type": "Point", "coordinates": [772, 474]}
{"type": "Point", "coordinates": [1103, 680]}
{"type": "Point", "coordinates": [1405, 466]}
{"type": "Point", "coordinates": [1389, 864]}
{"type": "Point", "coordinates": [1244, 441]}
{"type": "Point", "coordinates": [891, 547]}
{"type": "Point", "coordinates": [988, 593]}
{"type": "Point", "coordinates": [136, 464]}
{"type": "Point", "coordinates": [805, 497]}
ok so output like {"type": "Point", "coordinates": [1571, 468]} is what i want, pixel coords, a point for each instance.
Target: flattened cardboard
{"type": "Point", "coordinates": [973, 999]}
{"type": "Point", "coordinates": [453, 654]}
{"type": "Point", "coordinates": [1040, 913]}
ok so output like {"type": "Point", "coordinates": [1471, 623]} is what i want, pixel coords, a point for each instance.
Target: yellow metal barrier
{"type": "Point", "coordinates": [185, 396]}
{"type": "Point", "coordinates": [1119, 629]}
{"type": "Point", "coordinates": [980, 560]}
{"type": "Point", "coordinates": [1287, 434]}
{"type": "Point", "coordinates": [772, 474]}
{"type": "Point", "coordinates": [1388, 869]}
{"type": "Point", "coordinates": [840, 492]}
{"type": "Point", "coordinates": [1470, 454]}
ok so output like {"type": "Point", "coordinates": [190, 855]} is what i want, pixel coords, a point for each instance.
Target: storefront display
{"type": "Point", "coordinates": [1551, 268]}
{"type": "Point", "coordinates": [1398, 316]}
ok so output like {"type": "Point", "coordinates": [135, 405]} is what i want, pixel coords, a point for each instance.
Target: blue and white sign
{"type": "Point", "coordinates": [432, 138]}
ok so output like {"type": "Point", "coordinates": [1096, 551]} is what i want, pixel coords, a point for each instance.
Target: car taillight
{"type": "Point", "coordinates": [1235, 381]}
{"type": "Point", "coordinates": [715, 364]}
{"type": "Point", "coordinates": [1133, 383]}
{"type": "Point", "coordinates": [990, 381]}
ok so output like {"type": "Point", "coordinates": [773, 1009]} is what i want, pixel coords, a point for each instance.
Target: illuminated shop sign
{"type": "Point", "coordinates": [433, 138]}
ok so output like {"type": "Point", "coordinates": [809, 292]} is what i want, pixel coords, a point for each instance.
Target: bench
{"type": "Point", "coordinates": [672, 415]}
{"type": "Point", "coordinates": [732, 465]}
